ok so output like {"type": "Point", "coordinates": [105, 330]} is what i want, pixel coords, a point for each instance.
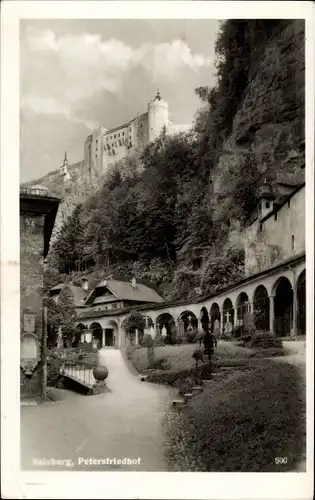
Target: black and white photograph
{"type": "Point", "coordinates": [163, 291]}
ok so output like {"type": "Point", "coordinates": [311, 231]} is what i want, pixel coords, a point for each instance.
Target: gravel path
{"type": "Point", "coordinates": [123, 423]}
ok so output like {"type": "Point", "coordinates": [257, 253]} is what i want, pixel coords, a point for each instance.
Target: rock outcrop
{"type": "Point", "coordinates": [268, 128]}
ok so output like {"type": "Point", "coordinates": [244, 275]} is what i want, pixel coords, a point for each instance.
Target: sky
{"type": "Point", "coordinates": [78, 74]}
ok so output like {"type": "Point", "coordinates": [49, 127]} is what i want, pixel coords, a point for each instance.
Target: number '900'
{"type": "Point", "coordinates": [281, 460]}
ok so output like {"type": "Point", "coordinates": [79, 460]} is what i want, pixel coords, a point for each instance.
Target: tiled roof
{"type": "Point", "coordinates": [79, 295]}
{"type": "Point", "coordinates": [124, 290]}
{"type": "Point", "coordinates": [57, 287]}
{"type": "Point", "coordinates": [77, 292]}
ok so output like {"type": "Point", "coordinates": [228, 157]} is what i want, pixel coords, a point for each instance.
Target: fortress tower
{"type": "Point", "coordinates": [157, 116]}
{"type": "Point", "coordinates": [64, 169]}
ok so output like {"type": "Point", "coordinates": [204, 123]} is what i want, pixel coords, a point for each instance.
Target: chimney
{"type": "Point", "coordinates": [85, 284]}
{"type": "Point", "coordinates": [133, 282]}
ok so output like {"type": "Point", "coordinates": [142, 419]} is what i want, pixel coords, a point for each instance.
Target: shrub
{"type": "Point", "coordinates": [168, 377]}
{"type": "Point", "coordinates": [159, 341]}
{"type": "Point", "coordinates": [238, 331]}
{"type": "Point", "coordinates": [265, 340]}
{"type": "Point", "coordinates": [191, 336]}
{"type": "Point", "coordinates": [161, 364]}
{"type": "Point", "coordinates": [147, 341]}
{"type": "Point", "coordinates": [167, 340]}
{"type": "Point", "coordinates": [53, 371]}
{"type": "Point", "coordinates": [200, 336]}
{"type": "Point", "coordinates": [271, 352]}
{"type": "Point", "coordinates": [130, 349]}
{"type": "Point", "coordinates": [180, 340]}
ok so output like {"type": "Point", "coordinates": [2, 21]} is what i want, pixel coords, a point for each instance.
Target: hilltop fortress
{"type": "Point", "coordinates": [103, 148]}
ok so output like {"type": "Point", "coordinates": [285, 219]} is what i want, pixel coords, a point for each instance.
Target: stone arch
{"type": "Point", "coordinates": [149, 321]}
{"type": "Point", "coordinates": [242, 307]}
{"type": "Point", "coordinates": [283, 306]}
{"type": "Point", "coordinates": [111, 334]}
{"type": "Point", "coordinates": [132, 335]}
{"type": "Point", "coordinates": [301, 303]}
{"type": "Point", "coordinates": [204, 319]}
{"type": "Point", "coordinates": [228, 316]}
{"type": "Point", "coordinates": [190, 321]}
{"type": "Point", "coordinates": [215, 318]}
{"type": "Point", "coordinates": [261, 308]}
{"type": "Point", "coordinates": [97, 332]}
{"type": "Point", "coordinates": [166, 323]}
{"type": "Point", "coordinates": [78, 336]}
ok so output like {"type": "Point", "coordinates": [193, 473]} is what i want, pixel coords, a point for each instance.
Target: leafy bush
{"type": "Point", "coordinates": [180, 340]}
{"type": "Point", "coordinates": [159, 341]}
{"type": "Point", "coordinates": [130, 349]}
{"type": "Point", "coordinates": [161, 364]}
{"type": "Point", "coordinates": [147, 341]}
{"type": "Point", "coordinates": [191, 337]}
{"type": "Point", "coordinates": [134, 320]}
{"type": "Point", "coordinates": [53, 371]}
{"type": "Point", "coordinates": [270, 352]}
{"type": "Point", "coordinates": [264, 340]}
{"type": "Point", "coordinates": [238, 331]}
{"type": "Point", "coordinates": [245, 339]}
{"type": "Point", "coordinates": [168, 377]}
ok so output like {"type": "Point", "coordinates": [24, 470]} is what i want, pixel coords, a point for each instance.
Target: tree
{"type": "Point", "coordinates": [68, 315]}
{"type": "Point", "coordinates": [54, 320]}
{"type": "Point", "coordinates": [134, 320]}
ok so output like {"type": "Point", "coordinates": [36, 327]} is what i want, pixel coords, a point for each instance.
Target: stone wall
{"type": "Point", "coordinates": [31, 282]}
{"type": "Point", "coordinates": [279, 237]}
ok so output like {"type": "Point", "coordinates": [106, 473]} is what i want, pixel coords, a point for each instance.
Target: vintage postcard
{"type": "Point", "coordinates": [157, 249]}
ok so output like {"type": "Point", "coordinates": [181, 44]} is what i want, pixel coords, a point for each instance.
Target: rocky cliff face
{"type": "Point", "coordinates": [268, 128]}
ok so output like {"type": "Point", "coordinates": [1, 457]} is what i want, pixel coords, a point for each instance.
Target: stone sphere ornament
{"type": "Point", "coordinates": [100, 373]}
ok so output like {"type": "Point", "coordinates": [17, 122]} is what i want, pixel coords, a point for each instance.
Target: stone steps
{"type": "Point", "coordinates": [197, 389]}
{"type": "Point", "coordinates": [188, 395]}
{"type": "Point", "coordinates": [178, 402]}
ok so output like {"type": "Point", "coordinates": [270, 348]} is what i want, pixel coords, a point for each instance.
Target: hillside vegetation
{"type": "Point", "coordinates": [166, 214]}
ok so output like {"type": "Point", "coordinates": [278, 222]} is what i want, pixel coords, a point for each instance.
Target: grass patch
{"type": "Point", "coordinates": [241, 423]}
{"type": "Point", "coordinates": [179, 357]}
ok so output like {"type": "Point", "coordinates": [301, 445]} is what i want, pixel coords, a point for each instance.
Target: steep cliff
{"type": "Point", "coordinates": [267, 138]}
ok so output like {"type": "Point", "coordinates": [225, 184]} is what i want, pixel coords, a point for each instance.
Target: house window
{"type": "Point", "coordinates": [267, 204]}
{"type": "Point", "coordinates": [292, 242]}
{"type": "Point", "coordinates": [260, 228]}
{"type": "Point", "coordinates": [288, 203]}
{"type": "Point", "coordinates": [114, 306]}
{"type": "Point", "coordinates": [276, 216]}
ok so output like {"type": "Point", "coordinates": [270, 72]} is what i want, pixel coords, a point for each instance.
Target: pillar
{"type": "Point", "coordinates": [103, 337]}
{"type": "Point", "coordinates": [294, 328]}
{"type": "Point", "coordinates": [137, 337]}
{"type": "Point", "coordinates": [221, 321]}
{"type": "Point", "coordinates": [272, 313]}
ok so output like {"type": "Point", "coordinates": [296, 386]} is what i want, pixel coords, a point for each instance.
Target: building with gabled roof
{"type": "Point", "coordinates": [77, 293]}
